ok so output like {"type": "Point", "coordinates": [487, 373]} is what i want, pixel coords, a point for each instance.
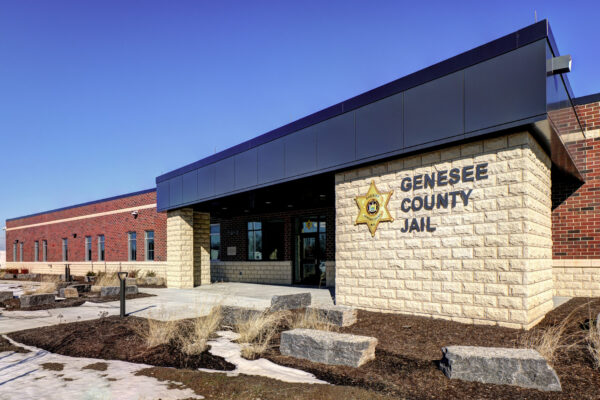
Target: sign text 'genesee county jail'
{"type": "Point", "coordinates": [469, 173]}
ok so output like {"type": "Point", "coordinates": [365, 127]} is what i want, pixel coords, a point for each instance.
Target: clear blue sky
{"type": "Point", "coordinates": [97, 98]}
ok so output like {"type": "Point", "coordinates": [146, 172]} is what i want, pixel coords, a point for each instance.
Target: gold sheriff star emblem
{"type": "Point", "coordinates": [373, 208]}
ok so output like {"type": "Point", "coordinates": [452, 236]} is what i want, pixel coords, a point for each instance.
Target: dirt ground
{"type": "Point", "coordinates": [405, 366]}
{"type": "Point", "coordinates": [15, 304]}
{"type": "Point", "coordinates": [114, 338]}
{"type": "Point", "coordinates": [409, 349]}
{"type": "Point", "coordinates": [243, 387]}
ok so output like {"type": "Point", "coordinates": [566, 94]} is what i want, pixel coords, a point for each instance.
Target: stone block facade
{"type": "Point", "coordinates": [188, 248]}
{"type": "Point", "coordinates": [488, 260]}
{"type": "Point", "coordinates": [82, 268]}
{"type": "Point", "coordinates": [201, 248]}
{"type": "Point", "coordinates": [577, 278]}
{"type": "Point", "coordinates": [267, 272]}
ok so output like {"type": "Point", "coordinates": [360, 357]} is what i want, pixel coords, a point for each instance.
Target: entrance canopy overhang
{"type": "Point", "coordinates": [497, 87]}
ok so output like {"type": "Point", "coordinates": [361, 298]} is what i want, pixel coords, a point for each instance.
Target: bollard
{"type": "Point", "coordinates": [123, 280]}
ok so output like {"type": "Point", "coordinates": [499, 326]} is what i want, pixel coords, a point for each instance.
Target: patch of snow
{"type": "Point", "coordinates": [23, 377]}
{"type": "Point", "coordinates": [231, 352]}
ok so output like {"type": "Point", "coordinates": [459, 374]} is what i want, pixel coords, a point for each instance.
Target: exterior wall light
{"type": "Point", "coordinates": [135, 214]}
{"type": "Point", "coordinates": [558, 65]}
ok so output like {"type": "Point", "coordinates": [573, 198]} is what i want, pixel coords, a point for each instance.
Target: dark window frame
{"type": "Point", "coordinates": [149, 245]}
{"type": "Point", "coordinates": [132, 246]}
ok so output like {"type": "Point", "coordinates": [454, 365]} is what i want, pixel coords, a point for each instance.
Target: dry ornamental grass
{"type": "Point", "coordinates": [257, 332]}
{"type": "Point", "coordinates": [194, 336]}
{"type": "Point", "coordinates": [107, 279]}
{"type": "Point", "coordinates": [157, 332]}
{"type": "Point", "coordinates": [312, 320]}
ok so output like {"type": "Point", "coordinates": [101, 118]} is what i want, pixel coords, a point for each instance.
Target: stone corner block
{"type": "Point", "coordinates": [68, 293]}
{"type": "Point", "coordinates": [290, 301]}
{"type": "Point", "coordinates": [337, 315]}
{"type": "Point", "coordinates": [235, 314]}
{"type": "Point", "coordinates": [116, 290]}
{"type": "Point", "coordinates": [6, 295]}
{"type": "Point", "coordinates": [328, 347]}
{"type": "Point", "coordinates": [518, 367]}
{"type": "Point", "coordinates": [36, 300]}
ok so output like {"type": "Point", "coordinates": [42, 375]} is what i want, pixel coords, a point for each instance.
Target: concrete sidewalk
{"type": "Point", "coordinates": [166, 304]}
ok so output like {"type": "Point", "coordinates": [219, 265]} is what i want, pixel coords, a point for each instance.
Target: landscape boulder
{"type": "Point", "coordinates": [27, 276]}
{"type": "Point", "coordinates": [116, 290]}
{"type": "Point", "coordinates": [234, 314]}
{"type": "Point", "coordinates": [6, 295]}
{"type": "Point", "coordinates": [81, 287]}
{"type": "Point", "coordinates": [290, 301]}
{"type": "Point", "coordinates": [337, 315]}
{"type": "Point", "coordinates": [328, 347]}
{"type": "Point", "coordinates": [68, 292]}
{"type": "Point", "coordinates": [519, 367]}
{"type": "Point", "coordinates": [36, 300]}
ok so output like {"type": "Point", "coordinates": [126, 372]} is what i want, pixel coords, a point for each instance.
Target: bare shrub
{"type": "Point", "coordinates": [156, 332]}
{"type": "Point", "coordinates": [107, 279]}
{"type": "Point", "coordinates": [150, 274]}
{"type": "Point", "coordinates": [312, 320]}
{"type": "Point", "coordinates": [593, 343]}
{"type": "Point", "coordinates": [550, 341]}
{"type": "Point", "coordinates": [194, 336]}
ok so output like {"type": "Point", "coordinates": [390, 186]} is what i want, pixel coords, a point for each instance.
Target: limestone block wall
{"type": "Point", "coordinates": [180, 248]}
{"type": "Point", "coordinates": [188, 248]}
{"type": "Point", "coordinates": [330, 273]}
{"type": "Point", "coordinates": [577, 278]}
{"type": "Point", "coordinates": [201, 249]}
{"type": "Point", "coordinates": [82, 268]}
{"type": "Point", "coordinates": [268, 272]}
{"type": "Point", "coordinates": [487, 261]}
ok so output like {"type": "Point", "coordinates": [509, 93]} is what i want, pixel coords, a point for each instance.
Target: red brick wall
{"type": "Point", "coordinates": [576, 221]}
{"type": "Point", "coordinates": [114, 227]}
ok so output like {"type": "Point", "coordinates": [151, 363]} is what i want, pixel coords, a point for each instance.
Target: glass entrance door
{"type": "Point", "coordinates": [310, 251]}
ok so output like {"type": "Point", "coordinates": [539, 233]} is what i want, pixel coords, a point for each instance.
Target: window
{"type": "Point", "coordinates": [149, 248]}
{"type": "Point", "coordinates": [65, 249]}
{"type": "Point", "coordinates": [21, 251]}
{"type": "Point", "coordinates": [132, 246]}
{"type": "Point", "coordinates": [273, 240]}
{"type": "Point", "coordinates": [36, 251]}
{"type": "Point", "coordinates": [215, 241]}
{"type": "Point", "coordinates": [14, 251]}
{"type": "Point", "coordinates": [88, 248]}
{"type": "Point", "coordinates": [254, 241]}
{"type": "Point", "coordinates": [44, 250]}
{"type": "Point", "coordinates": [100, 247]}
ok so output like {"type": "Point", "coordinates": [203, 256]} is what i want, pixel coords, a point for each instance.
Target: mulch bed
{"type": "Point", "coordinates": [5, 345]}
{"type": "Point", "coordinates": [114, 338]}
{"type": "Point", "coordinates": [15, 304]}
{"type": "Point", "coordinates": [244, 387]}
{"type": "Point", "coordinates": [410, 347]}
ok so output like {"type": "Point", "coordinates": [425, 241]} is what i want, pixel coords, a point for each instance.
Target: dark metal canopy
{"type": "Point", "coordinates": [499, 86]}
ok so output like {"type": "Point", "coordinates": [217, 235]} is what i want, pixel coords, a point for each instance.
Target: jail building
{"type": "Point", "coordinates": [466, 191]}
